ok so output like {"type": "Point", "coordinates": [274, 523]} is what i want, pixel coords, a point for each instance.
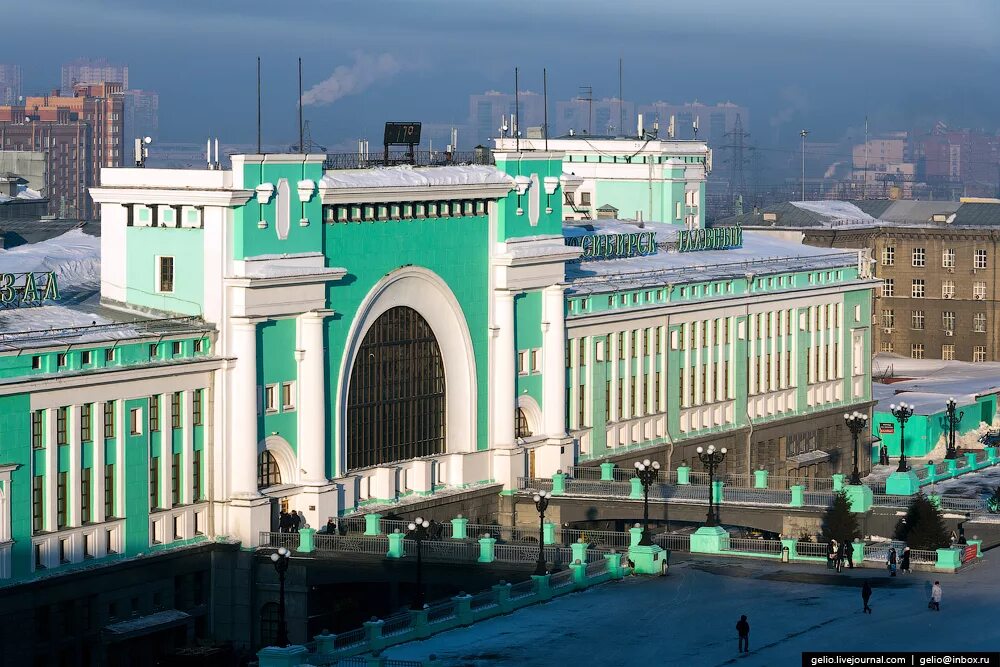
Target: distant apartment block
{"type": "Point", "coordinates": [142, 119]}
{"type": "Point", "coordinates": [713, 121]}
{"type": "Point", "coordinates": [85, 70]}
{"type": "Point", "coordinates": [10, 83]}
{"type": "Point", "coordinates": [603, 117]}
{"type": "Point", "coordinates": [486, 113]}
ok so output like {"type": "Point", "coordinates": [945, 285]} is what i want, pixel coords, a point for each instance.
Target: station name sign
{"type": "Point", "coordinates": [715, 238]}
{"type": "Point", "coordinates": [21, 290]}
{"type": "Point", "coordinates": [611, 246]}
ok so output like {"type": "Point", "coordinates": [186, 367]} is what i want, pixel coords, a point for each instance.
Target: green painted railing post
{"type": "Point", "coordinates": [420, 622]}
{"type": "Point", "coordinates": [935, 499]}
{"type": "Point", "coordinates": [718, 495]}
{"type": "Point", "coordinates": [306, 542]}
{"type": "Point", "coordinates": [487, 549]}
{"type": "Point", "coordinates": [798, 495]}
{"type": "Point", "coordinates": [683, 474]}
{"type": "Point", "coordinates": [760, 479]}
{"type": "Point", "coordinates": [463, 608]}
{"type": "Point", "coordinates": [559, 484]}
{"type": "Point", "coordinates": [373, 634]}
{"type": "Point", "coordinates": [991, 453]}
{"type": "Point", "coordinates": [373, 524]}
{"type": "Point", "coordinates": [542, 590]}
{"type": "Point", "coordinates": [978, 543]}
{"type": "Point", "coordinates": [278, 656]}
{"type": "Point", "coordinates": [549, 532]}
{"type": "Point", "coordinates": [579, 575]}
{"type": "Point", "coordinates": [951, 467]}
{"type": "Point", "coordinates": [579, 551]}
{"type": "Point", "coordinates": [502, 593]}
{"type": "Point", "coordinates": [607, 471]}
{"type": "Point", "coordinates": [838, 482]}
{"type": "Point", "coordinates": [931, 472]}
{"type": "Point", "coordinates": [375, 660]}
{"type": "Point", "coordinates": [460, 528]}
{"type": "Point", "coordinates": [948, 559]}
{"type": "Point", "coordinates": [614, 565]}
{"type": "Point", "coordinates": [792, 546]}
{"type": "Point", "coordinates": [636, 491]}
{"type": "Point", "coordinates": [858, 555]}
{"type": "Point", "coordinates": [634, 535]}
{"type": "Point", "coordinates": [970, 460]}
{"type": "Point", "coordinates": [396, 549]}
{"type": "Point", "coordinates": [325, 643]}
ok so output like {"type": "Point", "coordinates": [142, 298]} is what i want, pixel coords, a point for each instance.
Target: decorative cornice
{"type": "Point", "coordinates": [377, 195]}
{"type": "Point", "coordinates": [170, 196]}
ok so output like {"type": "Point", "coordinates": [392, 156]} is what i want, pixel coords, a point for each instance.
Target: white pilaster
{"type": "Point", "coordinates": [51, 467]}
{"type": "Point", "coordinates": [187, 446]}
{"type": "Point", "coordinates": [310, 404]}
{"type": "Point", "coordinates": [120, 458]}
{"type": "Point", "coordinates": [504, 369]}
{"type": "Point", "coordinates": [554, 360]}
{"type": "Point", "coordinates": [243, 445]}
{"type": "Point", "coordinates": [98, 462]}
{"type": "Point", "coordinates": [75, 466]}
{"type": "Point", "coordinates": [167, 446]}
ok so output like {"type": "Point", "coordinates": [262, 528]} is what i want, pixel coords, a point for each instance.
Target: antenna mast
{"type": "Point", "coordinates": [302, 146]}
{"type": "Point", "coordinates": [621, 102]}
{"type": "Point", "coordinates": [517, 112]}
{"type": "Point", "coordinates": [258, 105]}
{"type": "Point", "coordinates": [545, 104]}
{"type": "Point", "coordinates": [864, 183]}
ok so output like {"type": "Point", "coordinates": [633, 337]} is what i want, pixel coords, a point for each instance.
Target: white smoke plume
{"type": "Point", "coordinates": [351, 79]}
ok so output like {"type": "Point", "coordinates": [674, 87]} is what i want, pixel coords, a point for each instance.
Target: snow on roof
{"type": "Point", "coordinates": [836, 210]}
{"type": "Point", "coordinates": [74, 256]}
{"type": "Point", "coordinates": [407, 176]}
{"type": "Point", "coordinates": [761, 254]}
{"type": "Point", "coordinates": [149, 622]}
{"type": "Point", "coordinates": [932, 382]}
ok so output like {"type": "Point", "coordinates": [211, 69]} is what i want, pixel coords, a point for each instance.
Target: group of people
{"type": "Point", "coordinates": [840, 552]}
{"type": "Point", "coordinates": [290, 522]}
{"type": "Point", "coordinates": [893, 559]}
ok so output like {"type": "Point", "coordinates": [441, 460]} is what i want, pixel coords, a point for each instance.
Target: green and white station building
{"type": "Point", "coordinates": [345, 339]}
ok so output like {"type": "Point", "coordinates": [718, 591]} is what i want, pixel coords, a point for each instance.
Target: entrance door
{"type": "Point", "coordinates": [531, 464]}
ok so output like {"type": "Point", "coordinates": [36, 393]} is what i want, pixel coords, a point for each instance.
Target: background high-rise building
{"type": "Point", "coordinates": [486, 112]}
{"type": "Point", "coordinates": [142, 119]}
{"type": "Point", "coordinates": [87, 70]}
{"type": "Point", "coordinates": [10, 83]}
{"type": "Point", "coordinates": [599, 117]}
{"type": "Point", "coordinates": [713, 121]}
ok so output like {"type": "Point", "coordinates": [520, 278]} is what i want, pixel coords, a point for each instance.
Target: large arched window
{"type": "Point", "coordinates": [270, 617]}
{"type": "Point", "coordinates": [521, 428]}
{"type": "Point", "coordinates": [396, 401]}
{"type": "Point", "coordinates": [268, 473]}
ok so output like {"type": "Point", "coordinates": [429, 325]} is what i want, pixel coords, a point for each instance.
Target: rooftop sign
{"type": "Point", "coordinates": [20, 290]}
{"type": "Point", "coordinates": [611, 246]}
{"type": "Point", "coordinates": [715, 238]}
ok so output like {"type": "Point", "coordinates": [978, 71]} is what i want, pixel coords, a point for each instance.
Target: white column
{"type": "Point", "coordinates": [554, 361]}
{"type": "Point", "coordinates": [51, 467]}
{"type": "Point", "coordinates": [75, 464]}
{"type": "Point", "coordinates": [120, 457]}
{"type": "Point", "coordinates": [167, 446]}
{"type": "Point", "coordinates": [640, 369]}
{"type": "Point", "coordinates": [611, 354]}
{"type": "Point", "coordinates": [504, 369]}
{"type": "Point", "coordinates": [626, 378]}
{"type": "Point", "coordinates": [310, 407]}
{"type": "Point", "coordinates": [98, 462]}
{"type": "Point", "coordinates": [243, 445]}
{"type": "Point", "coordinates": [187, 445]}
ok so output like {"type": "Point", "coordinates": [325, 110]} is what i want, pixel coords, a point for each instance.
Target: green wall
{"type": "Point", "coordinates": [276, 364]}
{"type": "Point", "coordinates": [186, 246]}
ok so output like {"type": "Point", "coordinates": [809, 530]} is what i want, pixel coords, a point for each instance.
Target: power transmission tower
{"type": "Point", "coordinates": [310, 145]}
{"type": "Point", "coordinates": [587, 95]}
{"type": "Point", "coordinates": [737, 158]}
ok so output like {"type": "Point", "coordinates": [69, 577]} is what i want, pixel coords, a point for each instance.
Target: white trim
{"type": "Point", "coordinates": [282, 452]}
{"type": "Point", "coordinates": [158, 259]}
{"type": "Point", "coordinates": [533, 413]}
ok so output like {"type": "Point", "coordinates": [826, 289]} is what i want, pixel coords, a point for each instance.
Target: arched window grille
{"type": "Point", "coordinates": [521, 428]}
{"type": "Point", "coordinates": [268, 473]}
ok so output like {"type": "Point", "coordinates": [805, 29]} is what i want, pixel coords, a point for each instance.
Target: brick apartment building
{"type": "Point", "coordinates": [79, 134]}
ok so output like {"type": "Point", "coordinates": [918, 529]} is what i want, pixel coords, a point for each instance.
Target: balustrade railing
{"type": "Point", "coordinates": [754, 545]}
{"type": "Point", "coordinates": [398, 624]}
{"type": "Point", "coordinates": [812, 548]}
{"type": "Point", "coordinates": [269, 540]}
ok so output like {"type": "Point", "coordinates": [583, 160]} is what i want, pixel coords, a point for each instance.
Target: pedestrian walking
{"type": "Point", "coordinates": [849, 554]}
{"type": "Point", "coordinates": [890, 561]}
{"type": "Point", "coordinates": [840, 556]}
{"type": "Point", "coordinates": [743, 630]}
{"type": "Point", "coordinates": [831, 555]}
{"type": "Point", "coordinates": [284, 522]}
{"type": "Point", "coordinates": [904, 561]}
{"type": "Point", "coordinates": [866, 595]}
{"type": "Point", "coordinates": [935, 603]}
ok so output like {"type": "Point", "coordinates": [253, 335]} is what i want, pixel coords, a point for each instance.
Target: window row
{"type": "Point", "coordinates": [918, 320]}
{"type": "Point", "coordinates": [404, 210]}
{"type": "Point", "coordinates": [918, 288]}
{"type": "Point", "coordinates": [625, 391]}
{"type": "Point", "coordinates": [86, 358]}
{"type": "Point", "coordinates": [947, 351]}
{"type": "Point", "coordinates": [278, 397]}
{"type": "Point", "coordinates": [704, 385]}
{"type": "Point", "coordinates": [918, 257]}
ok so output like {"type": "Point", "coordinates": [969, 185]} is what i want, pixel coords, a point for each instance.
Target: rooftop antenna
{"type": "Point", "coordinates": [302, 146]}
{"type": "Point", "coordinates": [621, 102]}
{"type": "Point", "coordinates": [588, 91]}
{"type": "Point", "coordinates": [694, 126]}
{"type": "Point", "coordinates": [864, 183]}
{"type": "Point", "coordinates": [258, 105]}
{"type": "Point", "coordinates": [517, 112]}
{"type": "Point", "coordinates": [545, 104]}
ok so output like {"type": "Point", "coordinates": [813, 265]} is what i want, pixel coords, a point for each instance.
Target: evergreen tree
{"type": "Point", "coordinates": [923, 526]}
{"type": "Point", "coordinates": [839, 522]}
{"type": "Point", "coordinates": [993, 502]}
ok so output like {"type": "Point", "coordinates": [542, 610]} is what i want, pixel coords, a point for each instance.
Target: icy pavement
{"type": "Point", "coordinates": [689, 618]}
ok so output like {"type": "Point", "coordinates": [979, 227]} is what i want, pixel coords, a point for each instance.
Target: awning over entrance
{"type": "Point", "coordinates": [144, 625]}
{"type": "Point", "coordinates": [809, 458]}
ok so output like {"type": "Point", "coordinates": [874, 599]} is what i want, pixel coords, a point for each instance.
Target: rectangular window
{"type": "Point", "coordinates": [61, 436]}
{"type": "Point", "coordinates": [196, 413]}
{"type": "Point", "coordinates": [196, 475]}
{"type": "Point", "coordinates": [154, 482]}
{"type": "Point", "coordinates": [175, 480]}
{"type": "Point", "coordinates": [979, 353]}
{"type": "Point", "coordinates": [154, 349]}
{"type": "Point", "coordinates": [175, 410]}
{"type": "Point", "coordinates": [175, 348]}
{"type": "Point", "coordinates": [888, 318]}
{"type": "Point", "coordinates": [61, 488]}
{"type": "Point", "coordinates": [979, 323]}
{"type": "Point", "coordinates": [85, 516]}
{"type": "Point", "coordinates": [656, 392]}
{"type": "Point", "coordinates": [109, 354]}
{"type": "Point", "coordinates": [533, 359]}
{"type": "Point", "coordinates": [621, 345]}
{"type": "Point", "coordinates": [61, 359]}
{"type": "Point", "coordinates": [581, 346]}
{"type": "Point", "coordinates": [948, 320]}
{"type": "Point", "coordinates": [948, 352]}
{"type": "Point", "coordinates": [521, 369]}
{"type": "Point", "coordinates": [165, 274]}
{"type": "Point", "coordinates": [947, 289]}
{"type": "Point", "coordinates": [271, 396]}
{"type": "Point", "coordinates": [199, 345]}
{"type": "Point", "coordinates": [979, 260]}
{"type": "Point", "coordinates": [979, 290]}
{"type": "Point", "coordinates": [916, 350]}
{"type": "Point", "coordinates": [85, 357]}
{"type": "Point", "coordinates": [154, 413]}
{"type": "Point", "coordinates": [37, 503]}
{"type": "Point", "coordinates": [917, 319]}
{"type": "Point", "coordinates": [607, 401]}
{"type": "Point", "coordinates": [109, 491]}
{"type": "Point", "coordinates": [948, 258]}
{"type": "Point", "coordinates": [37, 438]}
{"type": "Point", "coordinates": [36, 362]}
{"type": "Point", "coordinates": [885, 346]}
{"type": "Point", "coordinates": [919, 257]}
{"type": "Point", "coordinates": [109, 419]}
{"type": "Point", "coordinates": [888, 256]}
{"type": "Point", "coordinates": [287, 396]}
{"type": "Point", "coordinates": [888, 287]}
{"type": "Point", "coordinates": [85, 421]}
{"type": "Point", "coordinates": [917, 288]}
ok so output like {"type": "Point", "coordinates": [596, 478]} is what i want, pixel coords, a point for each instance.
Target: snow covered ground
{"type": "Point", "coordinates": [689, 618]}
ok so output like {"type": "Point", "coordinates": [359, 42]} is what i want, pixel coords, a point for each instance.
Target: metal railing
{"type": "Point", "coordinates": [350, 638]}
{"type": "Point", "coordinates": [483, 600]}
{"type": "Point", "coordinates": [422, 158]}
{"type": "Point", "coordinates": [926, 556]}
{"type": "Point", "coordinates": [561, 579]}
{"type": "Point", "coordinates": [374, 545]}
{"type": "Point", "coordinates": [269, 540]}
{"type": "Point", "coordinates": [448, 551]}
{"type": "Point", "coordinates": [608, 538]}
{"type": "Point", "coordinates": [673, 541]}
{"type": "Point", "coordinates": [812, 548]}
{"type": "Point", "coordinates": [754, 545]}
{"type": "Point", "coordinates": [398, 624]}
{"type": "Point", "coordinates": [441, 611]}
{"type": "Point", "coordinates": [522, 590]}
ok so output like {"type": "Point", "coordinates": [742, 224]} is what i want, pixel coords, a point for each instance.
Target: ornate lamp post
{"type": "Point", "coordinates": [961, 529]}
{"type": "Point", "coordinates": [647, 473]}
{"type": "Point", "coordinates": [280, 560]}
{"type": "Point", "coordinates": [857, 423]}
{"type": "Point", "coordinates": [541, 504]}
{"type": "Point", "coordinates": [902, 413]}
{"type": "Point", "coordinates": [953, 422]}
{"type": "Point", "coordinates": [418, 529]}
{"type": "Point", "coordinates": [711, 459]}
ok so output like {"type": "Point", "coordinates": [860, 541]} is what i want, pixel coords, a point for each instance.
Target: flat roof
{"type": "Point", "coordinates": [407, 176]}
{"type": "Point", "coordinates": [930, 383]}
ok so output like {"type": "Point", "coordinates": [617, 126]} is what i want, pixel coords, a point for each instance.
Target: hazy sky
{"type": "Point", "coordinates": [820, 64]}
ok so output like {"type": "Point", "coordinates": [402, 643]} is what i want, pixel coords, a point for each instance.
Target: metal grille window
{"type": "Point", "coordinates": [268, 473]}
{"type": "Point", "coordinates": [917, 288]}
{"type": "Point", "coordinates": [917, 319]}
{"type": "Point", "coordinates": [979, 322]}
{"type": "Point", "coordinates": [165, 273]}
{"type": "Point", "coordinates": [109, 490]}
{"type": "Point", "coordinates": [888, 256]}
{"type": "Point", "coordinates": [37, 439]}
{"type": "Point", "coordinates": [61, 484]}
{"type": "Point", "coordinates": [919, 257]}
{"type": "Point", "coordinates": [175, 480]}
{"type": "Point", "coordinates": [196, 476]}
{"type": "Point", "coordinates": [196, 412]}
{"type": "Point", "coordinates": [61, 437]}
{"type": "Point", "coordinates": [948, 258]}
{"type": "Point", "coordinates": [154, 482]}
{"type": "Point", "coordinates": [522, 430]}
{"type": "Point", "coordinates": [85, 496]}
{"type": "Point", "coordinates": [979, 353]}
{"type": "Point", "coordinates": [980, 259]}
{"type": "Point", "coordinates": [396, 402]}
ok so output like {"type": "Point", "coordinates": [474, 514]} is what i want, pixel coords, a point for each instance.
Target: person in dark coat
{"type": "Point", "coordinates": [331, 526]}
{"type": "Point", "coordinates": [904, 561]}
{"type": "Point", "coordinates": [840, 556]}
{"type": "Point", "coordinates": [849, 555]}
{"type": "Point", "coordinates": [284, 522]}
{"type": "Point", "coordinates": [743, 630]}
{"type": "Point", "coordinates": [866, 595]}
{"type": "Point", "coordinates": [831, 556]}
{"type": "Point", "coordinates": [296, 521]}
{"type": "Point", "coordinates": [891, 561]}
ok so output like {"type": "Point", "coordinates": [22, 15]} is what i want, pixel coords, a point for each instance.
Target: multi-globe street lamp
{"type": "Point", "coordinates": [418, 530]}
{"type": "Point", "coordinates": [281, 559]}
{"type": "Point", "coordinates": [712, 459]}
{"type": "Point", "coordinates": [647, 473]}
{"type": "Point", "coordinates": [902, 413]}
{"type": "Point", "coordinates": [856, 422]}
{"type": "Point", "coordinates": [953, 422]}
{"type": "Point", "coordinates": [541, 504]}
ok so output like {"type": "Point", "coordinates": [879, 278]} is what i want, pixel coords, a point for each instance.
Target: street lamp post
{"type": "Point", "coordinates": [803, 134]}
{"type": "Point", "coordinates": [281, 560]}
{"type": "Point", "coordinates": [857, 423]}
{"type": "Point", "coordinates": [961, 529]}
{"type": "Point", "coordinates": [418, 529]}
{"type": "Point", "coordinates": [711, 459]}
{"type": "Point", "coordinates": [953, 422]}
{"type": "Point", "coordinates": [541, 504]}
{"type": "Point", "coordinates": [647, 473]}
{"type": "Point", "coordinates": [902, 413]}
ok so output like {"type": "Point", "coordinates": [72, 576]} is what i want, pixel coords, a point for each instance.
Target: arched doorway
{"type": "Point", "coordinates": [396, 398]}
